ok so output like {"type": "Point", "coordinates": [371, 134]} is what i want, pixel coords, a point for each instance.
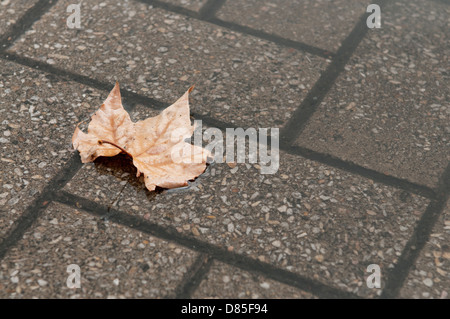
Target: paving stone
{"type": "Point", "coordinates": [389, 109]}
{"type": "Point", "coordinates": [114, 261]}
{"type": "Point", "coordinates": [308, 218]}
{"type": "Point", "coordinates": [11, 11]}
{"type": "Point", "coordinates": [239, 78]}
{"type": "Point", "coordinates": [329, 228]}
{"type": "Point", "coordinates": [194, 5]}
{"type": "Point", "coordinates": [38, 114]}
{"type": "Point", "coordinates": [430, 275]}
{"type": "Point", "coordinates": [320, 23]}
{"type": "Point", "coordinates": [224, 281]}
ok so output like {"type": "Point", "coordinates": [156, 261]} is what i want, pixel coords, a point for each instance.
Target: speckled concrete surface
{"type": "Point", "coordinates": [38, 116]}
{"type": "Point", "coordinates": [161, 54]}
{"type": "Point", "coordinates": [11, 11]}
{"type": "Point", "coordinates": [194, 5]}
{"type": "Point", "coordinates": [430, 276]}
{"type": "Point", "coordinates": [224, 281]}
{"type": "Point", "coordinates": [115, 262]}
{"type": "Point", "coordinates": [308, 218]}
{"type": "Point", "coordinates": [320, 23]}
{"type": "Point", "coordinates": [389, 110]}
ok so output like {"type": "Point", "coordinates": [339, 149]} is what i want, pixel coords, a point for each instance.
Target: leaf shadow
{"type": "Point", "coordinates": [121, 167]}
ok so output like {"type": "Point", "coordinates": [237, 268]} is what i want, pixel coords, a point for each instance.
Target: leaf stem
{"type": "Point", "coordinates": [114, 144]}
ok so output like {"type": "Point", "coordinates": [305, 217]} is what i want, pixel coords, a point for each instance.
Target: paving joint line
{"type": "Point", "coordinates": [243, 262]}
{"type": "Point", "coordinates": [25, 22]}
{"type": "Point", "coordinates": [419, 239]}
{"type": "Point", "coordinates": [300, 117]}
{"type": "Point", "coordinates": [192, 279]}
{"type": "Point", "coordinates": [34, 210]}
{"type": "Point", "coordinates": [134, 98]}
{"type": "Point", "coordinates": [39, 204]}
{"type": "Point", "coordinates": [240, 28]}
{"type": "Point", "coordinates": [82, 79]}
{"type": "Point", "coordinates": [388, 180]}
{"type": "Point", "coordinates": [129, 96]}
{"type": "Point", "coordinates": [210, 8]}
{"type": "Point", "coordinates": [299, 46]}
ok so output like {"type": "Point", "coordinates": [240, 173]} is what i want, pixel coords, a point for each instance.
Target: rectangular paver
{"type": "Point", "coordinates": [114, 261]}
{"type": "Point", "coordinates": [234, 231]}
{"type": "Point", "coordinates": [314, 220]}
{"type": "Point", "coordinates": [224, 281]}
{"type": "Point", "coordinates": [38, 114]}
{"type": "Point", "coordinates": [194, 5]}
{"type": "Point", "coordinates": [430, 275]}
{"type": "Point", "coordinates": [239, 78]}
{"type": "Point", "coordinates": [389, 110]}
{"type": "Point", "coordinates": [320, 23]}
{"type": "Point", "coordinates": [11, 11]}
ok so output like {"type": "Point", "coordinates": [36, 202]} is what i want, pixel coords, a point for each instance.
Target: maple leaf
{"type": "Point", "coordinates": [156, 145]}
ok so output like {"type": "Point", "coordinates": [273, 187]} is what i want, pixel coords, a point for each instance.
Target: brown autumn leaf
{"type": "Point", "coordinates": [156, 145]}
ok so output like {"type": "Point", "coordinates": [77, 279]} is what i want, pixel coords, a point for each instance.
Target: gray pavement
{"type": "Point", "coordinates": [364, 174]}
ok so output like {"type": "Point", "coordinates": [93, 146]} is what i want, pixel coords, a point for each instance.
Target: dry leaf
{"type": "Point", "coordinates": [157, 145]}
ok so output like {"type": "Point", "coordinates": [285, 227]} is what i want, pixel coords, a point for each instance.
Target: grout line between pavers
{"type": "Point", "coordinates": [419, 239]}
{"type": "Point", "coordinates": [25, 22]}
{"type": "Point", "coordinates": [356, 169]}
{"type": "Point", "coordinates": [133, 99]}
{"type": "Point", "coordinates": [172, 8]}
{"type": "Point", "coordinates": [314, 287]}
{"type": "Point", "coordinates": [82, 79]}
{"type": "Point", "coordinates": [273, 38]}
{"type": "Point", "coordinates": [409, 254]}
{"type": "Point", "coordinates": [40, 203]}
{"type": "Point", "coordinates": [210, 8]}
{"type": "Point", "coordinates": [196, 273]}
{"type": "Point", "coordinates": [300, 117]}
{"type": "Point", "coordinates": [240, 28]}
{"type": "Point", "coordinates": [129, 96]}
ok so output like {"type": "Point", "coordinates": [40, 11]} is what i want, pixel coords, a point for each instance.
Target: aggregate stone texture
{"type": "Point", "coordinates": [320, 23]}
{"type": "Point", "coordinates": [307, 218]}
{"type": "Point", "coordinates": [114, 261]}
{"type": "Point", "coordinates": [11, 11]}
{"type": "Point", "coordinates": [239, 79]}
{"type": "Point", "coordinates": [430, 275]}
{"type": "Point", "coordinates": [224, 281]}
{"type": "Point", "coordinates": [38, 114]}
{"type": "Point", "coordinates": [194, 5]}
{"type": "Point", "coordinates": [389, 110]}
